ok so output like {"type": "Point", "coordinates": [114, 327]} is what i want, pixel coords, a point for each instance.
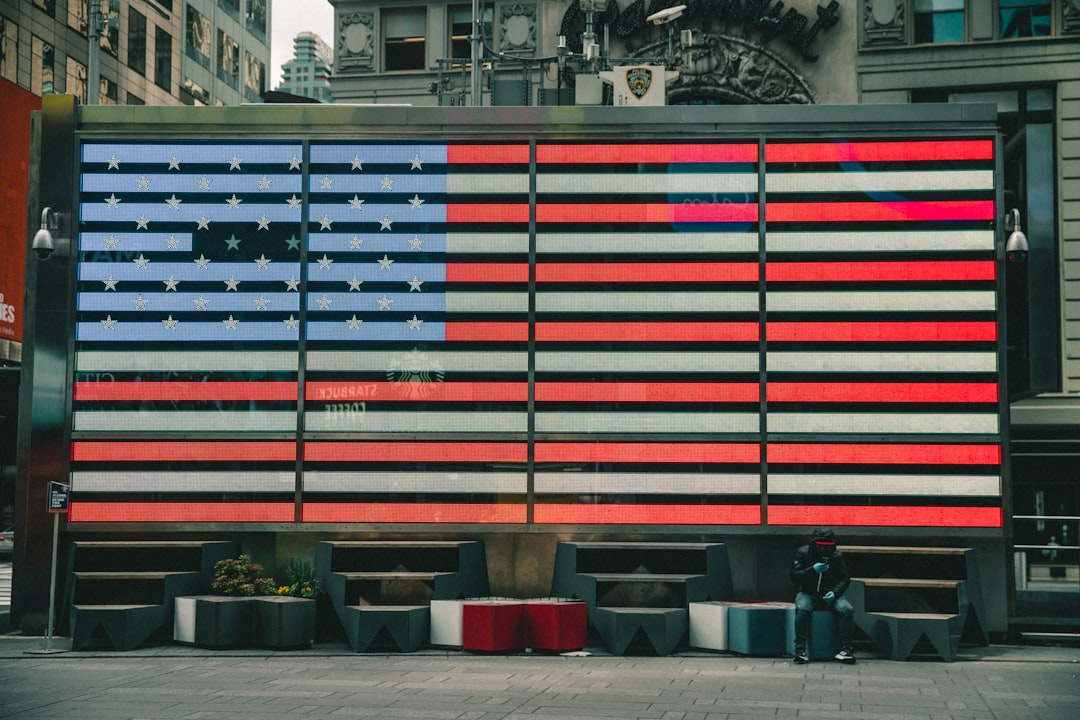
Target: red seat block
{"type": "Point", "coordinates": [556, 625]}
{"type": "Point", "coordinates": [493, 625]}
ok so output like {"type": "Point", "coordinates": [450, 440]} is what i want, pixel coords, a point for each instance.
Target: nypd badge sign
{"type": "Point", "coordinates": [639, 80]}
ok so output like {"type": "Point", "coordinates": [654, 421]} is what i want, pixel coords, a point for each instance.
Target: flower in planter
{"type": "Point", "coordinates": [302, 582]}
{"type": "Point", "coordinates": [241, 576]}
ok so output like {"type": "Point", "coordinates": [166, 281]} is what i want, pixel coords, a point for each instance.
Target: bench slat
{"type": "Point", "coordinates": [122, 575]}
{"type": "Point", "coordinates": [908, 582]}
{"type": "Point", "coordinates": [391, 575]}
{"type": "Point", "coordinates": [896, 549]}
{"type": "Point", "coordinates": [640, 577]}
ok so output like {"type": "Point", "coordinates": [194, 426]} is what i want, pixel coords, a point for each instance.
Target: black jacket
{"type": "Point", "coordinates": [836, 578]}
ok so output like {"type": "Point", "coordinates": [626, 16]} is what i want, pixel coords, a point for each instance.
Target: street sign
{"type": "Point", "coordinates": [58, 497]}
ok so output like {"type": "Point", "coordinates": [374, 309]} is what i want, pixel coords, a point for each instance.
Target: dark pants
{"type": "Point", "coordinates": [843, 614]}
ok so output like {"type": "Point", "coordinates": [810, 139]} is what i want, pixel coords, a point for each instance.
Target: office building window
{"type": "Point", "coordinates": [163, 61]}
{"type": "Point", "coordinates": [134, 100]}
{"type": "Point", "coordinates": [108, 92]}
{"type": "Point", "coordinates": [48, 6]}
{"type": "Point", "coordinates": [228, 68]}
{"type": "Point", "coordinates": [41, 69]}
{"type": "Point", "coordinates": [9, 49]}
{"type": "Point", "coordinates": [198, 37]}
{"type": "Point", "coordinates": [461, 30]}
{"type": "Point", "coordinates": [256, 18]}
{"type": "Point", "coordinates": [938, 21]}
{"type": "Point", "coordinates": [110, 31]}
{"type": "Point", "coordinates": [78, 16]}
{"type": "Point", "coordinates": [1024, 18]}
{"type": "Point", "coordinates": [137, 41]}
{"type": "Point", "coordinates": [230, 6]}
{"type": "Point", "coordinates": [76, 79]}
{"type": "Point", "coordinates": [254, 74]}
{"type": "Point", "coordinates": [404, 31]}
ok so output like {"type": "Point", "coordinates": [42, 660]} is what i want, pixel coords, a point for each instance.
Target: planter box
{"type": "Point", "coordinates": [223, 622]}
{"type": "Point", "coordinates": [283, 622]}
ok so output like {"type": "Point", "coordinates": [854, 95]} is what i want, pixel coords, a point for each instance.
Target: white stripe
{"type": "Point", "coordinates": [637, 302]}
{"type": "Point", "coordinates": [872, 423]}
{"type": "Point", "coordinates": [150, 361]}
{"type": "Point", "coordinates": [881, 362]}
{"type": "Point", "coordinates": [879, 182]}
{"type": "Point", "coordinates": [645, 422]}
{"type": "Point", "coordinates": [494, 183]}
{"type": "Point", "coordinates": [911, 241]}
{"type": "Point", "coordinates": [646, 243]}
{"type": "Point", "coordinates": [580, 483]}
{"type": "Point", "coordinates": [665, 362]}
{"type": "Point", "coordinates": [502, 302]}
{"type": "Point", "coordinates": [417, 421]}
{"type": "Point", "coordinates": [662, 183]}
{"type": "Point", "coordinates": [415, 359]}
{"type": "Point", "coordinates": [881, 301]}
{"type": "Point", "coordinates": [867, 484]}
{"type": "Point", "coordinates": [163, 481]}
{"type": "Point", "coordinates": [416, 482]}
{"type": "Point", "coordinates": [185, 421]}
{"type": "Point", "coordinates": [479, 242]}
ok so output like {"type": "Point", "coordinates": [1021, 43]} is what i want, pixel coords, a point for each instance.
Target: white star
{"type": "Point", "coordinates": [110, 283]}
{"type": "Point", "coordinates": [415, 284]}
{"type": "Point", "coordinates": [385, 263]}
{"type": "Point", "coordinates": [294, 163]}
{"type": "Point", "coordinates": [202, 261]}
{"type": "Point", "coordinates": [114, 163]}
{"type": "Point", "coordinates": [324, 303]}
{"type": "Point", "coordinates": [354, 322]}
{"type": "Point", "coordinates": [385, 223]}
{"type": "Point", "coordinates": [264, 183]}
{"type": "Point", "coordinates": [357, 164]}
{"type": "Point", "coordinates": [291, 323]}
{"type": "Point", "coordinates": [174, 202]}
{"type": "Point", "coordinates": [142, 223]}
{"type": "Point", "coordinates": [356, 242]}
{"type": "Point", "coordinates": [325, 262]}
{"type": "Point", "coordinates": [204, 183]}
{"type": "Point", "coordinates": [203, 223]}
{"type": "Point", "coordinates": [387, 183]}
{"type": "Point", "coordinates": [294, 202]}
{"type": "Point", "coordinates": [263, 262]}
{"type": "Point", "coordinates": [139, 302]}
{"type": "Point", "coordinates": [354, 284]}
{"type": "Point", "coordinates": [169, 323]}
{"type": "Point", "coordinates": [416, 163]}
{"type": "Point", "coordinates": [292, 284]}
{"type": "Point", "coordinates": [414, 323]}
{"type": "Point", "coordinates": [262, 303]}
{"type": "Point", "coordinates": [171, 242]}
{"type": "Point", "coordinates": [141, 262]}
{"type": "Point", "coordinates": [174, 162]}
{"type": "Point", "coordinates": [326, 183]}
{"type": "Point", "coordinates": [231, 323]}
{"type": "Point", "coordinates": [112, 201]}
{"type": "Point", "coordinates": [385, 303]}
{"type": "Point", "coordinates": [170, 284]}
{"type": "Point", "coordinates": [111, 242]}
{"type": "Point", "coordinates": [325, 223]}
{"type": "Point", "coordinates": [108, 323]}
{"type": "Point", "coordinates": [231, 284]}
{"type": "Point", "coordinates": [234, 202]}
{"type": "Point", "coordinates": [264, 222]}
{"type": "Point", "coordinates": [143, 182]}
{"type": "Point", "coordinates": [415, 243]}
{"type": "Point", "coordinates": [356, 203]}
{"type": "Point", "coordinates": [234, 163]}
{"type": "Point", "coordinates": [201, 303]}
{"type": "Point", "coordinates": [416, 202]}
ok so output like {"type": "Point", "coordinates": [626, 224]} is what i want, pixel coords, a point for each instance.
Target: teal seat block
{"type": "Point", "coordinates": [757, 628]}
{"type": "Point", "coordinates": [125, 627]}
{"type": "Point", "coordinates": [408, 626]}
{"type": "Point", "coordinates": [663, 627]}
{"type": "Point", "coordinates": [820, 640]}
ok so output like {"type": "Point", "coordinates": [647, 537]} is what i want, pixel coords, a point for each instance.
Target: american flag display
{"type": "Point", "coordinates": [558, 332]}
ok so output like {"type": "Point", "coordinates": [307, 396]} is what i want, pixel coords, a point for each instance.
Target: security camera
{"type": "Point", "coordinates": [44, 245]}
{"type": "Point", "coordinates": [1016, 247]}
{"type": "Point", "coordinates": [662, 17]}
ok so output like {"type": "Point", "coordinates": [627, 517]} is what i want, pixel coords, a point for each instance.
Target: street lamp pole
{"type": "Point", "coordinates": [93, 89]}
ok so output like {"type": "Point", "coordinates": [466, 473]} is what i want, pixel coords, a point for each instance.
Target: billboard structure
{"type": "Point", "coordinates": [693, 318]}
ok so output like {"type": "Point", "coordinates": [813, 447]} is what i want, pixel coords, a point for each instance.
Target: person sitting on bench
{"type": "Point", "coordinates": [821, 577]}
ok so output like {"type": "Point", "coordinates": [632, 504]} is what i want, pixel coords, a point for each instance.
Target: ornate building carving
{"type": "Point", "coordinates": [517, 28]}
{"type": "Point", "coordinates": [883, 22]}
{"type": "Point", "coordinates": [1070, 20]}
{"type": "Point", "coordinates": [356, 42]}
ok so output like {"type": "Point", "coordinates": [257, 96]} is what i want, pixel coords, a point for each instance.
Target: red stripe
{"type": "Point", "coordinates": [887, 151]}
{"type": "Point", "coordinates": [487, 154]}
{"type": "Point", "coordinates": [646, 392]}
{"type": "Point", "coordinates": [880, 331]}
{"type": "Point", "coordinates": [282, 512]}
{"type": "Point", "coordinates": [645, 213]}
{"type": "Point", "coordinates": [86, 451]}
{"type": "Point", "coordinates": [486, 331]}
{"type": "Point", "coordinates": [881, 392]}
{"type": "Point", "coordinates": [646, 332]}
{"type": "Point", "coordinates": [828, 454]}
{"type": "Point", "coordinates": [611, 452]}
{"type": "Point", "coordinates": [487, 213]}
{"type": "Point", "coordinates": [364, 451]}
{"type": "Point", "coordinates": [413, 512]}
{"type": "Point", "coordinates": [548, 514]}
{"type": "Point", "coordinates": [937, 210]}
{"type": "Point", "coordinates": [419, 391]}
{"type": "Point", "coordinates": [609, 154]}
{"type": "Point", "coordinates": [884, 516]}
{"type": "Point", "coordinates": [105, 391]}
{"type": "Point", "coordinates": [487, 272]}
{"type": "Point", "coordinates": [646, 272]}
{"type": "Point", "coordinates": [898, 271]}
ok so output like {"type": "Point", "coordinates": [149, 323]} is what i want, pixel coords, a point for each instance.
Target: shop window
{"type": "Point", "coordinates": [163, 61]}
{"type": "Point", "coordinates": [137, 41]}
{"type": "Point", "coordinates": [41, 69]}
{"type": "Point", "coordinates": [228, 68]}
{"type": "Point", "coordinates": [198, 37]}
{"type": "Point", "coordinates": [461, 30]}
{"type": "Point", "coordinates": [76, 79]}
{"type": "Point", "coordinates": [939, 21]}
{"type": "Point", "coordinates": [1024, 18]}
{"type": "Point", "coordinates": [9, 49]}
{"type": "Point", "coordinates": [404, 33]}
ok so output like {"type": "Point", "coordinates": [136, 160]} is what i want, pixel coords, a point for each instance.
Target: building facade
{"type": "Point", "coordinates": [307, 74]}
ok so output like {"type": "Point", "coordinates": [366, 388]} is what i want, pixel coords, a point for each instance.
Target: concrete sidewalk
{"type": "Point", "coordinates": [329, 681]}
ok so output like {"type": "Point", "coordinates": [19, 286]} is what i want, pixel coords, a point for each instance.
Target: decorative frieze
{"type": "Point", "coordinates": [883, 22]}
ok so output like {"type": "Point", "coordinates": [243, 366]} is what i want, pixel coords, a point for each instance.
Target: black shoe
{"type": "Point", "coordinates": [845, 656]}
{"type": "Point", "coordinates": [801, 659]}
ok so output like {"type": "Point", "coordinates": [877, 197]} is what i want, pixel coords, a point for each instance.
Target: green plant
{"type": "Point", "coordinates": [241, 576]}
{"type": "Point", "coordinates": [302, 582]}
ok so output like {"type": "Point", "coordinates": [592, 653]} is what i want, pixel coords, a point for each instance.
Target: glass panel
{"type": "Point", "coordinates": [199, 37]}
{"type": "Point", "coordinates": [254, 74]}
{"type": "Point", "coordinates": [163, 60]}
{"type": "Point", "coordinates": [76, 79]}
{"type": "Point", "coordinates": [461, 30]}
{"type": "Point", "coordinates": [939, 21]}
{"type": "Point", "coordinates": [404, 44]}
{"type": "Point", "coordinates": [137, 41]}
{"type": "Point", "coordinates": [1007, 100]}
{"type": "Point", "coordinates": [1024, 18]}
{"type": "Point", "coordinates": [228, 59]}
{"type": "Point", "coordinates": [41, 69]}
{"type": "Point", "coordinates": [49, 6]}
{"type": "Point", "coordinates": [1040, 99]}
{"type": "Point", "coordinates": [78, 15]}
{"type": "Point", "coordinates": [9, 49]}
